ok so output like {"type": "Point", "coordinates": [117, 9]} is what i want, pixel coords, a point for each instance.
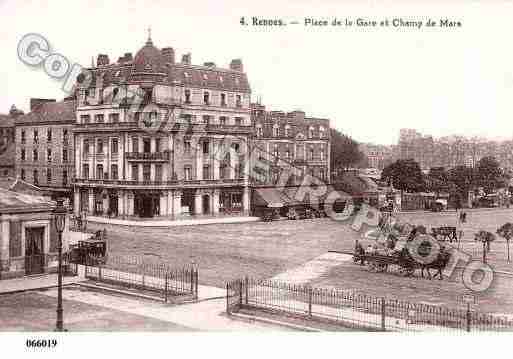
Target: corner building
{"type": "Point", "coordinates": [160, 138]}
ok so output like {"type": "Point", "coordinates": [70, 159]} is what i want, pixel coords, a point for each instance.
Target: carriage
{"type": "Point", "coordinates": [91, 251]}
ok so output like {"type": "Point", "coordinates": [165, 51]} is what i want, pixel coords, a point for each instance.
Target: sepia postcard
{"type": "Point", "coordinates": [301, 178]}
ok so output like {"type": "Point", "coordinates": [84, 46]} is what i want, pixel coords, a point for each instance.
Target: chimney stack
{"type": "Point", "coordinates": [236, 65]}
{"type": "Point", "coordinates": [168, 54]}
{"type": "Point", "coordinates": [186, 58]}
{"type": "Point", "coordinates": [102, 60]}
{"type": "Point", "coordinates": [35, 103]}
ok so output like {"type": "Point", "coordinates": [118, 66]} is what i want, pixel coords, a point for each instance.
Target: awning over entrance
{"type": "Point", "coordinates": [268, 197]}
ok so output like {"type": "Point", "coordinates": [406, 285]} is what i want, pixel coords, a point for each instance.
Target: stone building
{"type": "Point", "coordinates": [290, 140]}
{"type": "Point", "coordinates": [156, 137]}
{"type": "Point", "coordinates": [28, 238]}
{"type": "Point", "coordinates": [7, 146]}
{"type": "Point", "coordinates": [44, 145]}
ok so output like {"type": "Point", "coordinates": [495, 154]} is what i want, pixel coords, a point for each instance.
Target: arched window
{"type": "Point", "coordinates": [206, 98]}
{"type": "Point", "coordinates": [259, 130]}
{"type": "Point", "coordinates": [287, 131]}
{"type": "Point", "coordinates": [321, 132]}
{"type": "Point", "coordinates": [310, 132]}
{"type": "Point", "coordinates": [187, 96]}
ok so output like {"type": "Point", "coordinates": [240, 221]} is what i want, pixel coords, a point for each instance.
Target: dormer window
{"type": "Point", "coordinates": [321, 132]}
{"type": "Point", "coordinates": [276, 130]}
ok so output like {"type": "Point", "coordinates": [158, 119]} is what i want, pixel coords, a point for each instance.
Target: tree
{"type": "Point", "coordinates": [404, 175]}
{"type": "Point", "coordinates": [506, 232]}
{"type": "Point", "coordinates": [462, 177]}
{"type": "Point", "coordinates": [344, 151]}
{"type": "Point", "coordinates": [489, 175]}
{"type": "Point", "coordinates": [486, 238]}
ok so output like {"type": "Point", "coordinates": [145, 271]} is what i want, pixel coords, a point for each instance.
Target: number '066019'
{"type": "Point", "coordinates": [41, 343]}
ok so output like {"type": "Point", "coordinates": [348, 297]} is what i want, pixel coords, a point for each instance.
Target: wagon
{"type": "Point", "coordinates": [90, 251]}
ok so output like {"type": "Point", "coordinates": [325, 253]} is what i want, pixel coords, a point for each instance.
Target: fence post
{"type": "Point", "coordinates": [310, 295]}
{"type": "Point", "coordinates": [228, 298]}
{"type": "Point", "coordinates": [99, 271]}
{"type": "Point", "coordinates": [196, 284]}
{"type": "Point", "coordinates": [192, 281]}
{"type": "Point", "coordinates": [240, 292]}
{"type": "Point", "coordinates": [383, 314]}
{"type": "Point", "coordinates": [247, 290]}
{"type": "Point", "coordinates": [469, 317]}
{"type": "Point", "coordinates": [166, 288]}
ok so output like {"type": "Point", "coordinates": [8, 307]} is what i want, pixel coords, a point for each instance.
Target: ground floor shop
{"type": "Point", "coordinates": [170, 203]}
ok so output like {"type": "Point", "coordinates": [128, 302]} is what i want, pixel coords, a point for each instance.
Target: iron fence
{"type": "Point", "coordinates": [354, 310]}
{"type": "Point", "coordinates": [136, 272]}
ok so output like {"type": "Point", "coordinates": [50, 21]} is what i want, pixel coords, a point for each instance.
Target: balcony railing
{"type": "Point", "coordinates": [147, 156]}
{"type": "Point", "coordinates": [180, 183]}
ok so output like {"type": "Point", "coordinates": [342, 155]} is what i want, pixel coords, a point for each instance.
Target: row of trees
{"type": "Point", "coordinates": [406, 175]}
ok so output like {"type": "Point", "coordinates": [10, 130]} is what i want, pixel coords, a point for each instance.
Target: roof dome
{"type": "Point", "coordinates": [148, 58]}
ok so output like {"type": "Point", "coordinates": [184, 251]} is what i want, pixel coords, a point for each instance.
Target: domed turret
{"type": "Point", "coordinates": [148, 58]}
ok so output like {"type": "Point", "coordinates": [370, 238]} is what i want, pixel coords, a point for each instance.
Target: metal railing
{"type": "Point", "coordinates": [147, 156]}
{"type": "Point", "coordinates": [356, 310]}
{"type": "Point", "coordinates": [136, 272]}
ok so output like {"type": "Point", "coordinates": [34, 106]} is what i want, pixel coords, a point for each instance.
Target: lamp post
{"type": "Point", "coordinates": [59, 217]}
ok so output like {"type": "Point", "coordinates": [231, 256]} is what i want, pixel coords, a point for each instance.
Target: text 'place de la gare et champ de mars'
{"type": "Point", "coordinates": [362, 22]}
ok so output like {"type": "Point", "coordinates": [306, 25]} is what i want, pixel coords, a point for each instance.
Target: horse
{"type": "Point", "coordinates": [439, 264]}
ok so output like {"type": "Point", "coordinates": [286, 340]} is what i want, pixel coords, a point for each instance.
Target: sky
{"type": "Point", "coordinates": [370, 82]}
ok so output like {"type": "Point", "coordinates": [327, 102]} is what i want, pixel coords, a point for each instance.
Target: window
{"type": "Point", "coordinates": [311, 154]}
{"type": "Point", "coordinates": [85, 119]}
{"type": "Point", "coordinates": [158, 172]}
{"type": "Point", "coordinates": [49, 155]}
{"type": "Point", "coordinates": [146, 145]}
{"type": "Point", "coordinates": [321, 132]}
{"type": "Point", "coordinates": [99, 150]}
{"type": "Point", "coordinates": [137, 116]}
{"type": "Point", "coordinates": [48, 176]}
{"type": "Point", "coordinates": [65, 137]}
{"type": "Point", "coordinates": [98, 118]}
{"type": "Point", "coordinates": [236, 147]}
{"type": "Point", "coordinates": [259, 131]}
{"type": "Point", "coordinates": [86, 147]}
{"type": "Point", "coordinates": [223, 171]}
{"type": "Point", "coordinates": [64, 177]}
{"type": "Point", "coordinates": [222, 120]}
{"type": "Point", "coordinates": [85, 171]}
{"type": "Point", "coordinates": [287, 131]}
{"type": "Point", "coordinates": [135, 172]}
{"type": "Point", "coordinates": [310, 132]}
{"type": "Point", "coordinates": [99, 171]}
{"type": "Point", "coordinates": [114, 171]}
{"type": "Point", "coordinates": [135, 144]}
{"type": "Point", "coordinates": [206, 146]}
{"type": "Point", "coordinates": [206, 98]}
{"type": "Point", "coordinates": [238, 101]}
{"type": "Point", "coordinates": [187, 96]}
{"type": "Point", "coordinates": [146, 172]}
{"type": "Point", "coordinates": [114, 146]}
{"type": "Point", "coordinates": [114, 117]}
{"type": "Point", "coordinates": [22, 174]}
{"type": "Point", "coordinates": [322, 155]}
{"type": "Point", "coordinates": [64, 155]}
{"type": "Point", "coordinates": [276, 130]}
{"type": "Point", "coordinates": [275, 151]}
{"type": "Point", "coordinates": [23, 154]}
{"type": "Point", "coordinates": [157, 145]}
{"type": "Point", "coordinates": [49, 135]}
{"type": "Point", "coordinates": [206, 119]}
{"type": "Point", "coordinates": [23, 138]}
{"type": "Point", "coordinates": [35, 155]}
{"type": "Point", "coordinates": [187, 173]}
{"type": "Point", "coordinates": [206, 172]}
{"type": "Point", "coordinates": [36, 136]}
{"type": "Point", "coordinates": [237, 171]}
{"type": "Point", "coordinates": [187, 146]}
{"type": "Point", "coordinates": [35, 175]}
{"type": "Point", "coordinates": [223, 99]}
{"type": "Point", "coordinates": [238, 121]}
{"type": "Point", "coordinates": [287, 153]}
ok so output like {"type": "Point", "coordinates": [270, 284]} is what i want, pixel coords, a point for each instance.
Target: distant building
{"type": "Point", "coordinates": [7, 146]}
{"type": "Point", "coordinates": [44, 146]}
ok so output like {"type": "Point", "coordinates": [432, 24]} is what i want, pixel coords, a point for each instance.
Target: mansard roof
{"type": "Point", "coordinates": [50, 112]}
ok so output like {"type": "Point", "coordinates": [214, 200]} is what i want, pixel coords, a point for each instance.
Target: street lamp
{"type": "Point", "coordinates": [60, 218]}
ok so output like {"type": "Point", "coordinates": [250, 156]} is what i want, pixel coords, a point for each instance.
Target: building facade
{"type": "Point", "coordinates": [44, 146]}
{"type": "Point", "coordinates": [290, 141]}
{"type": "Point", "coordinates": [7, 146]}
{"type": "Point", "coordinates": [160, 138]}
